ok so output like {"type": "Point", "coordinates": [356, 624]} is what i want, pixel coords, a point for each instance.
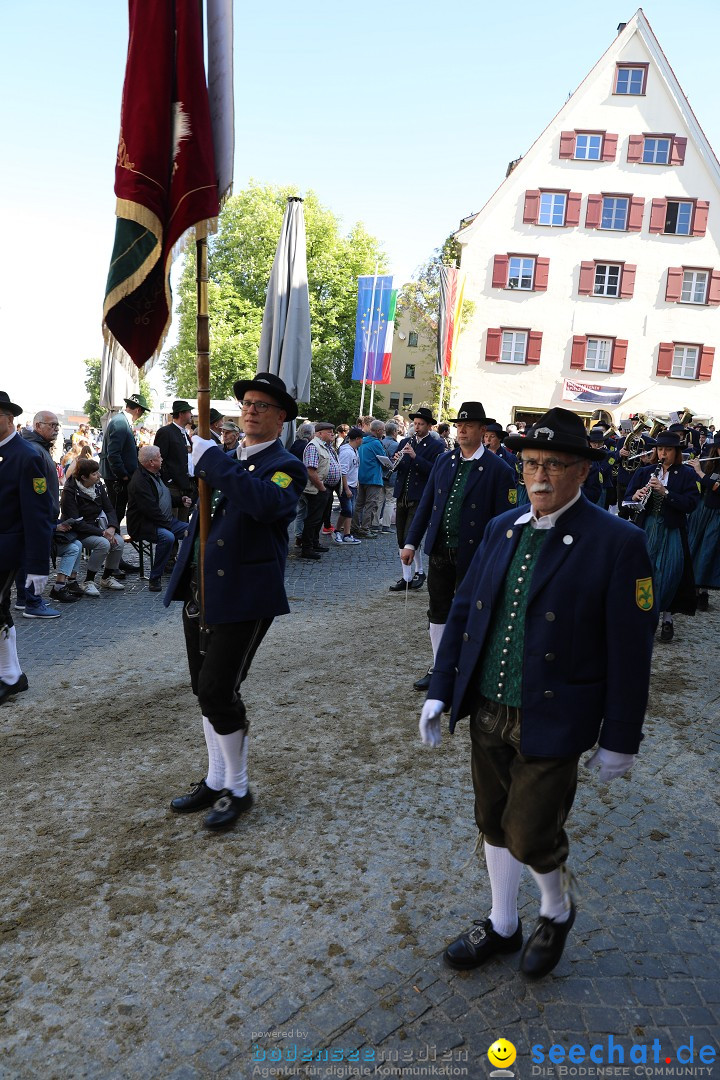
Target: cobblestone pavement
{"type": "Point", "coordinates": [316, 930]}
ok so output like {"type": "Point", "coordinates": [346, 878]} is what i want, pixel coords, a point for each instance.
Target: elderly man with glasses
{"type": "Point", "coordinates": [254, 499]}
{"type": "Point", "coordinates": [535, 652]}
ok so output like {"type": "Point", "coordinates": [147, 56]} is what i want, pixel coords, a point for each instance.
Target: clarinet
{"type": "Point", "coordinates": [400, 454]}
{"type": "Point", "coordinates": [638, 507]}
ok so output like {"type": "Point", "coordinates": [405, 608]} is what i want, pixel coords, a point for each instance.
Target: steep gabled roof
{"type": "Point", "coordinates": [637, 25]}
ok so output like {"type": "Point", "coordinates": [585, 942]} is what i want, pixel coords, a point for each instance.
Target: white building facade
{"type": "Point", "coordinates": [597, 261]}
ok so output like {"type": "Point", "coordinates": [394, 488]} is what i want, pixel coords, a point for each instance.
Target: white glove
{"type": "Point", "coordinates": [610, 764]}
{"type": "Point", "coordinates": [408, 573]}
{"type": "Point", "coordinates": [430, 719]}
{"type": "Point", "coordinates": [199, 446]}
{"type": "Point", "coordinates": [38, 583]}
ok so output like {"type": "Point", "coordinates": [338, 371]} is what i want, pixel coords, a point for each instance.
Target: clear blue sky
{"type": "Point", "coordinates": [403, 116]}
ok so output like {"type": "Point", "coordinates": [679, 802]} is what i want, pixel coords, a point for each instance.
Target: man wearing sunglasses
{"type": "Point", "coordinates": [254, 499]}
{"type": "Point", "coordinates": [535, 652]}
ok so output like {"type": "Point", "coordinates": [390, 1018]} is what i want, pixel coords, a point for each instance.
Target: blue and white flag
{"type": "Point", "coordinates": [371, 327]}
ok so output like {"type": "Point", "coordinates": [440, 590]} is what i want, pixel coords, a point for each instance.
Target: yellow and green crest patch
{"type": "Point", "coordinates": [644, 593]}
{"type": "Point", "coordinates": [281, 479]}
{"type": "Point", "coordinates": [512, 497]}
{"type": "Point", "coordinates": [39, 485]}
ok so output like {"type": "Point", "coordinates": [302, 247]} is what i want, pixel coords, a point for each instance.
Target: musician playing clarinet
{"type": "Point", "coordinates": [666, 494]}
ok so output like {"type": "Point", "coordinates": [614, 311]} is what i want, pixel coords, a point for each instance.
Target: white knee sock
{"type": "Point", "coordinates": [215, 778]}
{"type": "Point", "coordinates": [436, 633]}
{"type": "Point", "coordinates": [417, 563]}
{"type": "Point", "coordinates": [505, 872]}
{"type": "Point", "coordinates": [554, 899]}
{"type": "Point", "coordinates": [234, 751]}
{"type": "Point", "coordinates": [10, 670]}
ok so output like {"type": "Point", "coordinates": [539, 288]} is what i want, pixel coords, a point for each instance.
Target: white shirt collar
{"type": "Point", "coordinates": [10, 436]}
{"type": "Point", "coordinates": [547, 521]}
{"type": "Point", "coordinates": [473, 457]}
{"type": "Point", "coordinates": [244, 452]}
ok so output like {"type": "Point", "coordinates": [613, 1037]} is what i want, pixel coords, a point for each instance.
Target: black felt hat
{"type": "Point", "coordinates": [6, 405]}
{"type": "Point", "coordinates": [423, 414]}
{"type": "Point", "coordinates": [472, 410]}
{"type": "Point", "coordinates": [269, 384]}
{"type": "Point", "coordinates": [558, 429]}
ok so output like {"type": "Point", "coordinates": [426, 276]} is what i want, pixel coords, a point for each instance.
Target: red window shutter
{"type": "Point", "coordinates": [532, 207]}
{"type": "Point", "coordinates": [673, 289]}
{"type": "Point", "coordinates": [635, 215]}
{"type": "Point", "coordinates": [567, 144]}
{"type": "Point", "coordinates": [572, 211]}
{"type": "Point", "coordinates": [533, 347]}
{"type": "Point", "coordinates": [707, 355]}
{"type": "Point", "coordinates": [677, 154]}
{"type": "Point", "coordinates": [500, 271]}
{"type": "Point", "coordinates": [636, 144]}
{"type": "Point", "coordinates": [492, 347]}
{"type": "Point", "coordinates": [619, 356]}
{"type": "Point", "coordinates": [577, 355]}
{"type": "Point", "coordinates": [658, 210]}
{"type": "Point", "coordinates": [542, 270]}
{"type": "Point", "coordinates": [593, 210]}
{"type": "Point", "coordinates": [713, 296]}
{"type": "Point", "coordinates": [586, 283]}
{"type": "Point", "coordinates": [700, 217]}
{"type": "Point", "coordinates": [609, 147]}
{"type": "Point", "coordinates": [666, 351]}
{"type": "Point", "coordinates": [627, 281]}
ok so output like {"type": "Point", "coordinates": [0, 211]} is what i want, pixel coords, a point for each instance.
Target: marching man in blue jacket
{"type": "Point", "coordinates": [467, 487]}
{"type": "Point", "coordinates": [535, 653]}
{"type": "Point", "coordinates": [254, 501]}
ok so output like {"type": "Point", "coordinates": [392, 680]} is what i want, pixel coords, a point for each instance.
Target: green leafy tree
{"type": "Point", "coordinates": [240, 258]}
{"type": "Point", "coordinates": [92, 406]}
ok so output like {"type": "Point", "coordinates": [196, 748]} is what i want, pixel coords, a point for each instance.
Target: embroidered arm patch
{"type": "Point", "coordinates": [281, 479]}
{"type": "Point", "coordinates": [39, 485]}
{"type": "Point", "coordinates": [644, 593]}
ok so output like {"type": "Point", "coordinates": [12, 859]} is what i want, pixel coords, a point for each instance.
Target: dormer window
{"type": "Point", "coordinates": [630, 79]}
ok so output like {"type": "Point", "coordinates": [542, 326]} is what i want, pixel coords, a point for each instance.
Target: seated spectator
{"type": "Point", "coordinates": [86, 505]}
{"type": "Point", "coordinates": [231, 436]}
{"type": "Point", "coordinates": [149, 512]}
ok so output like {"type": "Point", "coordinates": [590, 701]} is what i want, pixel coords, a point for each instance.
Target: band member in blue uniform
{"type": "Point", "coordinates": [415, 456]}
{"type": "Point", "coordinates": [494, 435]}
{"type": "Point", "coordinates": [535, 652]}
{"type": "Point", "coordinates": [254, 501]}
{"type": "Point", "coordinates": [467, 487]}
{"type": "Point", "coordinates": [666, 494]}
{"type": "Point", "coordinates": [704, 525]}
{"type": "Point", "coordinates": [599, 479]}
{"type": "Point", "coordinates": [26, 527]}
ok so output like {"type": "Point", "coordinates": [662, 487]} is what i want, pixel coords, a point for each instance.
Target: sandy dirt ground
{"type": "Point", "coordinates": [130, 937]}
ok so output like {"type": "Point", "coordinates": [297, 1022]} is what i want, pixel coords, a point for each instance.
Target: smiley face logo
{"type": "Point", "coordinates": [502, 1053]}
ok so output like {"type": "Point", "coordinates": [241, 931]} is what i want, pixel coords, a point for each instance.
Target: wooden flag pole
{"type": "Point", "coordinates": [203, 399]}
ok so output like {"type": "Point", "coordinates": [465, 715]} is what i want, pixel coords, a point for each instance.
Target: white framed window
{"type": "Point", "coordinates": [694, 287]}
{"type": "Point", "coordinates": [614, 212]}
{"type": "Point", "coordinates": [607, 279]}
{"type": "Point", "coordinates": [588, 147]}
{"type": "Point", "coordinates": [678, 217]}
{"type": "Point", "coordinates": [598, 354]}
{"type": "Point", "coordinates": [520, 272]}
{"type": "Point", "coordinates": [407, 401]}
{"type": "Point", "coordinates": [630, 80]}
{"type": "Point", "coordinates": [552, 208]}
{"type": "Point", "coordinates": [685, 362]}
{"type": "Point", "coordinates": [514, 347]}
{"type": "Point", "coordinates": [656, 151]}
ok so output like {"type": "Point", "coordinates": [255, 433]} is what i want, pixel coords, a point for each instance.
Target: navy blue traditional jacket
{"type": "Point", "coordinates": [416, 470]}
{"type": "Point", "coordinates": [247, 546]}
{"type": "Point", "coordinates": [682, 493]}
{"type": "Point", "coordinates": [27, 521]}
{"type": "Point", "coordinates": [119, 456]}
{"type": "Point", "coordinates": [590, 608]}
{"type": "Point", "coordinates": [490, 490]}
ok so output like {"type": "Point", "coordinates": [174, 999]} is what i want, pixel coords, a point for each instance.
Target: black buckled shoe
{"type": "Point", "coordinates": [478, 945]}
{"type": "Point", "coordinates": [227, 810]}
{"type": "Point", "coordinates": [198, 798]}
{"type": "Point", "coordinates": [8, 689]}
{"type": "Point", "coordinates": [418, 581]}
{"type": "Point", "coordinates": [424, 683]}
{"type": "Point", "coordinates": [667, 631]}
{"type": "Point", "coordinates": [545, 945]}
{"type": "Point", "coordinates": [399, 586]}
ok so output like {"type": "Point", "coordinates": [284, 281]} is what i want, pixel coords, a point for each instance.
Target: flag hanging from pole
{"type": "Point", "coordinates": [389, 334]}
{"type": "Point", "coordinates": [165, 179]}
{"type": "Point", "coordinates": [371, 327]}
{"type": "Point", "coordinates": [452, 288]}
